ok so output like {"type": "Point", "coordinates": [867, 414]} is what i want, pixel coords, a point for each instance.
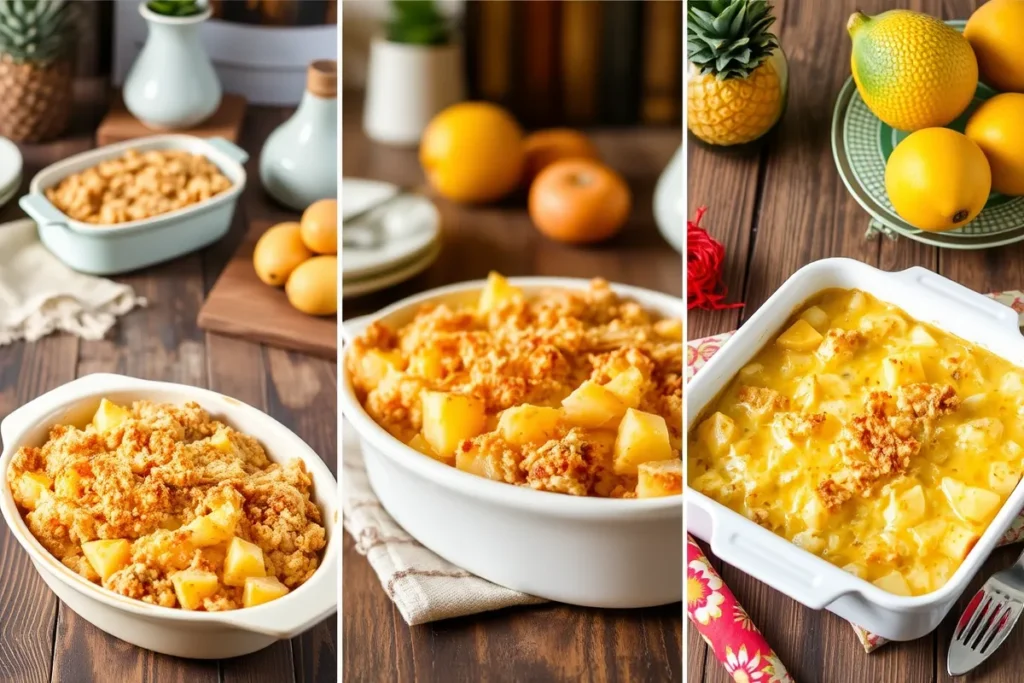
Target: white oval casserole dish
{"type": "Point", "coordinates": [593, 552]}
{"type": "Point", "coordinates": [119, 248]}
{"type": "Point", "coordinates": [773, 560]}
{"type": "Point", "coordinates": [198, 635]}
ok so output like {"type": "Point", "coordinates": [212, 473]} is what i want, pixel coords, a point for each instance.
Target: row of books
{"type": "Point", "coordinates": [578, 62]}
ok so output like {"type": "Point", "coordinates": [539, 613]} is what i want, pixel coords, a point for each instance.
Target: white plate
{"type": "Point", "coordinates": [375, 283]}
{"type": "Point", "coordinates": [10, 167]}
{"type": "Point", "coordinates": [10, 193]}
{"type": "Point", "coordinates": [409, 226]}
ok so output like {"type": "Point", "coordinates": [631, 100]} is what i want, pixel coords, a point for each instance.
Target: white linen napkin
{"type": "Point", "coordinates": [423, 586]}
{"type": "Point", "coordinates": [40, 295]}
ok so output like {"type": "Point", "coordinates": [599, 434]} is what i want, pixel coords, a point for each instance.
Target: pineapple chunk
{"type": "Point", "coordinates": [958, 541]}
{"type": "Point", "coordinates": [109, 415]}
{"type": "Point", "coordinates": [243, 560]}
{"type": "Point", "coordinates": [30, 488]}
{"type": "Point", "coordinates": [858, 570]}
{"type": "Point", "coordinates": [970, 503]}
{"type": "Point", "coordinates": [592, 405]}
{"type": "Point", "coordinates": [426, 363]}
{"type": "Point", "coordinates": [419, 443]}
{"type": "Point", "coordinates": [496, 293]}
{"type": "Point", "coordinates": [450, 418]}
{"type": "Point", "coordinates": [670, 328]}
{"type": "Point", "coordinates": [376, 364]}
{"type": "Point", "coordinates": [642, 437]}
{"type": "Point", "coordinates": [717, 433]}
{"type": "Point", "coordinates": [1002, 478]}
{"type": "Point", "coordinates": [68, 485]}
{"type": "Point", "coordinates": [814, 514]}
{"type": "Point", "coordinates": [628, 386]}
{"type": "Point", "coordinates": [920, 337]}
{"type": "Point", "coordinates": [474, 462]}
{"type": "Point", "coordinates": [903, 369]}
{"type": "Point", "coordinates": [906, 509]}
{"type": "Point", "coordinates": [980, 433]}
{"type": "Point", "coordinates": [261, 589]}
{"type": "Point", "coordinates": [529, 424]}
{"type": "Point", "coordinates": [930, 534]}
{"type": "Point", "coordinates": [800, 337]}
{"type": "Point", "coordinates": [221, 440]}
{"type": "Point", "coordinates": [661, 478]}
{"type": "Point", "coordinates": [192, 586]}
{"type": "Point", "coordinates": [209, 529]}
{"type": "Point", "coordinates": [857, 301]}
{"type": "Point", "coordinates": [107, 556]}
{"type": "Point", "coordinates": [894, 583]}
{"type": "Point", "coordinates": [816, 318]}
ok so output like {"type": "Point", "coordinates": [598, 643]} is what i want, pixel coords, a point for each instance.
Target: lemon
{"type": "Point", "coordinates": [278, 252]}
{"type": "Point", "coordinates": [996, 32]}
{"type": "Point", "coordinates": [320, 226]}
{"type": "Point", "coordinates": [313, 287]}
{"type": "Point", "coordinates": [937, 179]}
{"type": "Point", "coordinates": [912, 70]}
{"type": "Point", "coordinates": [997, 126]}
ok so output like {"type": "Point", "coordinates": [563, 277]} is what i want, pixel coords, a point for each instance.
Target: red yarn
{"type": "Point", "coordinates": [704, 256]}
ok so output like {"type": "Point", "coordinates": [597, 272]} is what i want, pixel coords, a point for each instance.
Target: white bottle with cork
{"type": "Point", "coordinates": [299, 162]}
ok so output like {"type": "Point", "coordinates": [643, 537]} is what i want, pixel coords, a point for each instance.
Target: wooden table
{"type": "Point", "coordinates": [551, 642]}
{"type": "Point", "coordinates": [40, 638]}
{"type": "Point", "coordinates": [778, 205]}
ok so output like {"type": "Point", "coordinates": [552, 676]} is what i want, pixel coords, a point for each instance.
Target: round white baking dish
{"type": "Point", "coordinates": [198, 635]}
{"type": "Point", "coordinates": [786, 567]}
{"type": "Point", "coordinates": [593, 552]}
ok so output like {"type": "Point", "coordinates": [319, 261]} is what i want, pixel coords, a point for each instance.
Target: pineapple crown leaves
{"type": "Point", "coordinates": [729, 38]}
{"type": "Point", "coordinates": [37, 31]}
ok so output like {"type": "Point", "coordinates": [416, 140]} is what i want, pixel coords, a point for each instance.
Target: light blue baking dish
{"type": "Point", "coordinates": [120, 248]}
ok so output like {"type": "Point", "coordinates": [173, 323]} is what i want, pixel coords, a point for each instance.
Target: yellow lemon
{"type": "Point", "coordinates": [278, 252]}
{"type": "Point", "coordinates": [473, 152]}
{"type": "Point", "coordinates": [320, 226]}
{"type": "Point", "coordinates": [997, 126]}
{"type": "Point", "coordinates": [313, 287]}
{"type": "Point", "coordinates": [937, 179]}
{"type": "Point", "coordinates": [996, 32]}
{"type": "Point", "coordinates": [912, 70]}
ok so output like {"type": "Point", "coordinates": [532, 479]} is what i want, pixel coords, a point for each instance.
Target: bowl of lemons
{"type": "Point", "coordinates": [928, 132]}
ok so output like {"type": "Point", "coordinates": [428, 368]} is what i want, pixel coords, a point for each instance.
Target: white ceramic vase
{"type": "Point", "coordinates": [299, 162]}
{"type": "Point", "coordinates": [406, 86]}
{"type": "Point", "coordinates": [669, 201]}
{"type": "Point", "coordinates": [172, 84]}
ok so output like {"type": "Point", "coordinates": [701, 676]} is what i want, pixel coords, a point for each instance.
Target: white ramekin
{"type": "Point", "coordinates": [198, 635]}
{"type": "Point", "coordinates": [111, 249]}
{"type": "Point", "coordinates": [584, 551]}
{"type": "Point", "coordinates": [809, 579]}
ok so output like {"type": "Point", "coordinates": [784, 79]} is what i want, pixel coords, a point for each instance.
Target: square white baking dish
{"type": "Point", "coordinates": [806, 578]}
{"type": "Point", "coordinates": [596, 552]}
{"type": "Point", "coordinates": [120, 248]}
{"type": "Point", "coordinates": [172, 631]}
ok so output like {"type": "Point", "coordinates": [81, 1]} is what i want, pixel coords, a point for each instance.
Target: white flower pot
{"type": "Point", "coordinates": [172, 84]}
{"type": "Point", "coordinates": [407, 85]}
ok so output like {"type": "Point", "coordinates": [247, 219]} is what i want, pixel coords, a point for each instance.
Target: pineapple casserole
{"type": "Point", "coordinates": [166, 505]}
{"type": "Point", "coordinates": [576, 392]}
{"type": "Point", "coordinates": [137, 185]}
{"type": "Point", "coordinates": [880, 443]}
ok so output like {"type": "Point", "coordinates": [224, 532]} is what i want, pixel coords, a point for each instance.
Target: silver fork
{"type": "Point", "coordinates": [988, 619]}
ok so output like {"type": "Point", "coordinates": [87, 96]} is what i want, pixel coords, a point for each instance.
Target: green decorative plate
{"type": "Point", "coordinates": [861, 145]}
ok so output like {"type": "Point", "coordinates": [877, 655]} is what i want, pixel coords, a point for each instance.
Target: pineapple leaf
{"type": "Point", "coordinates": [729, 38]}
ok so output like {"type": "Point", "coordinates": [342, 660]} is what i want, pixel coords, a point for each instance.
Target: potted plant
{"type": "Point", "coordinates": [172, 84]}
{"type": "Point", "coordinates": [37, 40]}
{"type": "Point", "coordinates": [415, 71]}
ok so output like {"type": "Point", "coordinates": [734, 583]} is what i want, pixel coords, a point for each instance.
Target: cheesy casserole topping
{"type": "Point", "coordinates": [877, 442]}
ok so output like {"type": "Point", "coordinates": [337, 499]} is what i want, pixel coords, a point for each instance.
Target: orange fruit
{"type": "Point", "coordinates": [997, 126]}
{"type": "Point", "coordinates": [996, 32]}
{"type": "Point", "coordinates": [545, 147]}
{"type": "Point", "coordinates": [473, 152]}
{"type": "Point", "coordinates": [579, 201]}
{"type": "Point", "coordinates": [313, 287]}
{"type": "Point", "coordinates": [320, 226]}
{"type": "Point", "coordinates": [278, 252]}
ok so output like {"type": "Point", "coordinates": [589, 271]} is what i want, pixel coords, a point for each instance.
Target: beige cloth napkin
{"type": "Point", "coordinates": [423, 586]}
{"type": "Point", "coordinates": [40, 295]}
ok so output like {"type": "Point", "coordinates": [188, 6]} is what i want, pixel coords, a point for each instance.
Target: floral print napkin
{"type": "Point", "coordinates": [710, 604]}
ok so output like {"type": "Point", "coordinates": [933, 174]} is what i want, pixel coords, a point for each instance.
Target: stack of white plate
{"type": "Point", "coordinates": [10, 171]}
{"type": "Point", "coordinates": [389, 245]}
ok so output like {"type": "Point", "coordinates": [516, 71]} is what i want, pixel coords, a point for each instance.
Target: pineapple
{"type": "Point", "coordinates": [37, 39]}
{"type": "Point", "coordinates": [736, 86]}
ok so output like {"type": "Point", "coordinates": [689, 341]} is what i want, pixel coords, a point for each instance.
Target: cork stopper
{"type": "Point", "coordinates": [322, 78]}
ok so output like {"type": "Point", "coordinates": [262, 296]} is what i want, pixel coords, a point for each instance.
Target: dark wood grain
{"type": "Point", "coordinates": [40, 638]}
{"type": "Point", "coordinates": [544, 643]}
{"type": "Point", "coordinates": [793, 211]}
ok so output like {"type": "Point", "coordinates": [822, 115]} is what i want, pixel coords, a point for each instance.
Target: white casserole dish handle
{"type": "Point", "coordinates": [960, 296]}
{"type": "Point", "coordinates": [230, 149]}
{"type": "Point", "coordinates": [768, 558]}
{"type": "Point", "coordinates": [39, 209]}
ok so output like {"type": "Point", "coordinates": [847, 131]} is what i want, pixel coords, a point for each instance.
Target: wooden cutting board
{"type": "Point", "coordinates": [240, 305]}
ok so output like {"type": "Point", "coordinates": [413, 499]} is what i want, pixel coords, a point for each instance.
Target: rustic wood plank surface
{"type": "Point", "coordinates": [776, 205]}
{"type": "Point", "coordinates": [551, 642]}
{"type": "Point", "coordinates": [40, 638]}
